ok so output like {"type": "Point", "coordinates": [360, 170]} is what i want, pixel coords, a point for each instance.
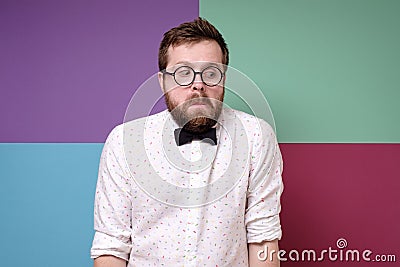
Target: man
{"type": "Point", "coordinates": [196, 185]}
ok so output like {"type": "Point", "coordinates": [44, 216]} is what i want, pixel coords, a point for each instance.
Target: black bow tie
{"type": "Point", "coordinates": [183, 136]}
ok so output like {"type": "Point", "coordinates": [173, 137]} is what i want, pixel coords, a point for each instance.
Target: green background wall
{"type": "Point", "coordinates": [329, 68]}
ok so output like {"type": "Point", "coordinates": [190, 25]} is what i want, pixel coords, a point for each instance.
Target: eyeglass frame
{"type": "Point", "coordinates": [194, 77]}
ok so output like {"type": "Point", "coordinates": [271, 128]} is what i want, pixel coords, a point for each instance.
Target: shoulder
{"type": "Point", "coordinates": [255, 127]}
{"type": "Point", "coordinates": [133, 127]}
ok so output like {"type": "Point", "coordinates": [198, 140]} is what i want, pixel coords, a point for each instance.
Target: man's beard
{"type": "Point", "coordinates": [195, 121]}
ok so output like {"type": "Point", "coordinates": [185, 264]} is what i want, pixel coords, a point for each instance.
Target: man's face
{"type": "Point", "coordinates": [196, 106]}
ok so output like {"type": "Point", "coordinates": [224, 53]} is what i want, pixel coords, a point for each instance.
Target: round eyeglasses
{"type": "Point", "coordinates": [185, 75]}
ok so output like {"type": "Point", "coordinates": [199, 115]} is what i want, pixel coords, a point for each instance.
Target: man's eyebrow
{"type": "Point", "coordinates": [201, 63]}
{"type": "Point", "coordinates": [182, 62]}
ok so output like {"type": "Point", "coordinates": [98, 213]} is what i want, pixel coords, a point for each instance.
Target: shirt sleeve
{"type": "Point", "coordinates": [112, 206]}
{"type": "Point", "coordinates": [265, 188]}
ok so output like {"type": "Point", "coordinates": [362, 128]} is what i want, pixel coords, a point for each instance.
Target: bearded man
{"type": "Point", "coordinates": [198, 184]}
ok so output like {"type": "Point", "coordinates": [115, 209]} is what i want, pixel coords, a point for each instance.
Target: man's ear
{"type": "Point", "coordinates": [161, 81]}
{"type": "Point", "coordinates": [223, 79]}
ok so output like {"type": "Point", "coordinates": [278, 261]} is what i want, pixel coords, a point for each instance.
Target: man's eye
{"type": "Point", "coordinates": [183, 73]}
{"type": "Point", "coordinates": [210, 74]}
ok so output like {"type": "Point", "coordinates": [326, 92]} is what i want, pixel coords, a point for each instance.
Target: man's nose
{"type": "Point", "coordinates": [198, 83]}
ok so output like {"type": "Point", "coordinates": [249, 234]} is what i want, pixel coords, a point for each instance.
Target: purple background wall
{"type": "Point", "coordinates": [69, 68]}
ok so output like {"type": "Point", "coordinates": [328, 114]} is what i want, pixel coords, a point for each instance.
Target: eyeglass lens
{"type": "Point", "coordinates": [185, 75]}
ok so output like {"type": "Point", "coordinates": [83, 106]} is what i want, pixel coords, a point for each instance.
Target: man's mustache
{"type": "Point", "coordinates": [197, 99]}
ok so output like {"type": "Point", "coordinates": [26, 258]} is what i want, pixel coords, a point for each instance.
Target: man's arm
{"type": "Point", "coordinates": [263, 199]}
{"type": "Point", "coordinates": [109, 261]}
{"type": "Point", "coordinates": [112, 205]}
{"type": "Point", "coordinates": [271, 258]}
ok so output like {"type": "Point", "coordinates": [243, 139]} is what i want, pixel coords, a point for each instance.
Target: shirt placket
{"type": "Point", "coordinates": [193, 214]}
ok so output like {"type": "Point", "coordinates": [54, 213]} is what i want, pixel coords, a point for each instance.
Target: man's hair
{"type": "Point", "coordinates": [191, 32]}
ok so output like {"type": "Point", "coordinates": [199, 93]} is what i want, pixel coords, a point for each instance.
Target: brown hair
{"type": "Point", "coordinates": [191, 32]}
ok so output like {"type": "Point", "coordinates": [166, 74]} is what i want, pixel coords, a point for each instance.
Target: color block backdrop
{"type": "Point", "coordinates": [328, 68]}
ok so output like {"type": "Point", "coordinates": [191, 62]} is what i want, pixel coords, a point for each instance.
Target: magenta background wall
{"type": "Point", "coordinates": [335, 191]}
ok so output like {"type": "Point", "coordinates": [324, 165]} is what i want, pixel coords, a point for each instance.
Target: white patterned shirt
{"type": "Point", "coordinates": [159, 204]}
